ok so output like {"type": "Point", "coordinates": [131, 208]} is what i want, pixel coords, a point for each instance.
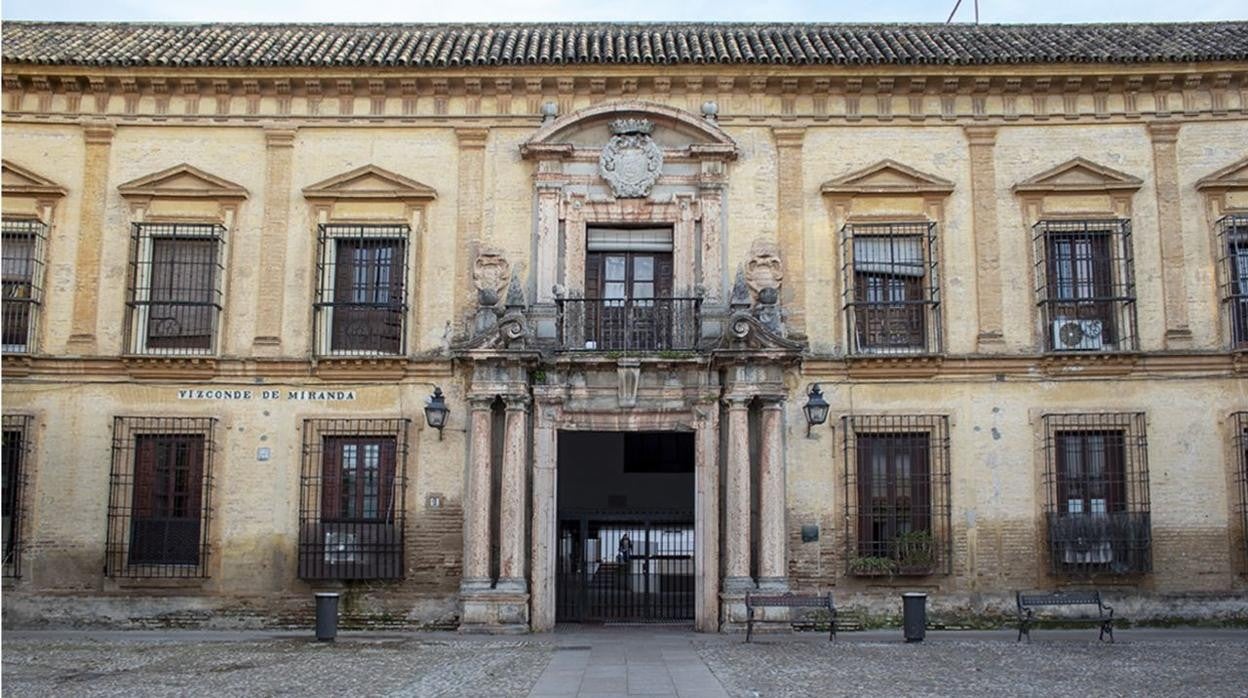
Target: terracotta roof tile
{"type": "Point", "coordinates": [451, 45]}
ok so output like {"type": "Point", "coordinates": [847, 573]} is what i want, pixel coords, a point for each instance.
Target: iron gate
{"type": "Point", "coordinates": [646, 579]}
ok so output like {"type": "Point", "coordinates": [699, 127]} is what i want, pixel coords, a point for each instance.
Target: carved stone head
{"type": "Point", "coordinates": [764, 269]}
{"type": "Point", "coordinates": [490, 274]}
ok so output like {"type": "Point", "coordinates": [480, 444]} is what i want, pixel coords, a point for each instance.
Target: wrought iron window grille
{"type": "Point", "coordinates": [352, 503]}
{"type": "Point", "coordinates": [22, 250]}
{"type": "Point", "coordinates": [892, 288]}
{"type": "Point", "coordinates": [1085, 285]}
{"type": "Point", "coordinates": [176, 272]}
{"type": "Point", "coordinates": [897, 498]}
{"type": "Point", "coordinates": [1233, 276]}
{"type": "Point", "coordinates": [1097, 516]}
{"type": "Point", "coordinates": [160, 497]}
{"type": "Point", "coordinates": [361, 302]}
{"type": "Point", "coordinates": [1239, 445]}
{"type": "Point", "coordinates": [16, 453]}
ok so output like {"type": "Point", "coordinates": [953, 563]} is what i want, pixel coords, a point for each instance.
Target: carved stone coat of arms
{"type": "Point", "coordinates": [631, 161]}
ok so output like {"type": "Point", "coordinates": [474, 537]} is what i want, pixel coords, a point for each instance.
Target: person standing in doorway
{"type": "Point", "coordinates": [625, 551]}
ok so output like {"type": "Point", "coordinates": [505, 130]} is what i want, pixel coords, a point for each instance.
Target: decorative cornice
{"type": "Point", "coordinates": [887, 177]}
{"type": "Point", "coordinates": [1233, 176]}
{"type": "Point", "coordinates": [182, 181]}
{"type": "Point", "coordinates": [369, 182]}
{"type": "Point", "coordinates": [19, 181]}
{"type": "Point", "coordinates": [1078, 175]}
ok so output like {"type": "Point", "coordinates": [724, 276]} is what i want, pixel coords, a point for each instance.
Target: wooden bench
{"type": "Point", "coordinates": [753, 601]}
{"type": "Point", "coordinates": [1028, 603]}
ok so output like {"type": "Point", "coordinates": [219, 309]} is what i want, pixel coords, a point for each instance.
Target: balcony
{"type": "Point", "coordinates": [633, 325]}
{"type": "Point", "coordinates": [1083, 545]}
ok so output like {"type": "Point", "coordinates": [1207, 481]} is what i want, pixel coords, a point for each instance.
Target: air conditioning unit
{"type": "Point", "coordinates": [1087, 553]}
{"type": "Point", "coordinates": [340, 547]}
{"type": "Point", "coordinates": [1074, 335]}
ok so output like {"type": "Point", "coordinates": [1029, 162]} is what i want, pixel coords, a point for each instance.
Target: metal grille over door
{"type": "Point", "coordinates": [625, 567]}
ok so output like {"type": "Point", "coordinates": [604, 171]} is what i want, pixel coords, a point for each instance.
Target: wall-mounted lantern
{"type": "Point", "coordinates": [816, 408]}
{"type": "Point", "coordinates": [436, 411]}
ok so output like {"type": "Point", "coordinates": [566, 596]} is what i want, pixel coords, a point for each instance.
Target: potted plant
{"type": "Point", "coordinates": [916, 553]}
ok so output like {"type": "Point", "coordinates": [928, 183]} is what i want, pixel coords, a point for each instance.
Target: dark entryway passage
{"type": "Point", "coordinates": [626, 546]}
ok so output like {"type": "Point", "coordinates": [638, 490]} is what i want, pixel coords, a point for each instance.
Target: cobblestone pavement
{"type": "Point", "coordinates": [275, 666]}
{"type": "Point", "coordinates": [624, 661]}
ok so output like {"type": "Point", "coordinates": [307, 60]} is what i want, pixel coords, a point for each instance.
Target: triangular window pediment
{"type": "Point", "coordinates": [1234, 176]}
{"type": "Point", "coordinates": [370, 182]}
{"type": "Point", "coordinates": [888, 177]}
{"type": "Point", "coordinates": [19, 181]}
{"type": "Point", "coordinates": [182, 182]}
{"type": "Point", "coordinates": [1079, 175]}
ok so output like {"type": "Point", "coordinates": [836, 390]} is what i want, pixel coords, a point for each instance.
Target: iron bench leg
{"type": "Point", "coordinates": [749, 622]}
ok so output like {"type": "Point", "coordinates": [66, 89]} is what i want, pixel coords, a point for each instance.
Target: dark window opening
{"type": "Point", "coordinates": [168, 485]}
{"type": "Point", "coordinates": [1096, 476]}
{"type": "Point", "coordinates": [175, 294]}
{"type": "Point", "coordinates": [159, 497]}
{"type": "Point", "coordinates": [1087, 291]}
{"type": "Point", "coordinates": [351, 512]}
{"type": "Point", "coordinates": [892, 297]}
{"type": "Point", "coordinates": [22, 263]}
{"type": "Point", "coordinates": [1233, 269]}
{"type": "Point", "coordinates": [13, 457]}
{"type": "Point", "coordinates": [897, 494]}
{"type": "Point", "coordinates": [362, 300]}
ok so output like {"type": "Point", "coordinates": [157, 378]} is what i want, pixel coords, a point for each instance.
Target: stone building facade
{"type": "Point", "coordinates": [239, 260]}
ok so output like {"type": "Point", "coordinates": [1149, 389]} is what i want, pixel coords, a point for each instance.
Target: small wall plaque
{"type": "Point", "coordinates": [810, 533]}
{"type": "Point", "coordinates": [263, 453]}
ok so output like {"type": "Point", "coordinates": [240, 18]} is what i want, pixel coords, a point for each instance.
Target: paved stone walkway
{"type": "Point", "coordinates": [623, 661]}
{"type": "Point", "coordinates": [618, 662]}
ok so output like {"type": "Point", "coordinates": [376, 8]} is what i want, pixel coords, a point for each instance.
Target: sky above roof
{"type": "Point", "coordinates": [1010, 11]}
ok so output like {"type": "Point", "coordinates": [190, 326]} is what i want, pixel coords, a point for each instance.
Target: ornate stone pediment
{"type": "Point", "coordinates": [370, 182]}
{"type": "Point", "coordinates": [19, 181]}
{"type": "Point", "coordinates": [887, 177]}
{"type": "Point", "coordinates": [1079, 175]}
{"type": "Point", "coordinates": [182, 182]}
{"type": "Point", "coordinates": [746, 333]}
{"type": "Point", "coordinates": [1234, 176]}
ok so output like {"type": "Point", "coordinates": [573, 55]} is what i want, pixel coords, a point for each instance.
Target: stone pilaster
{"type": "Point", "coordinates": [982, 141]}
{"type": "Point", "coordinates": [468, 213]}
{"type": "Point", "coordinates": [514, 494]}
{"type": "Point", "coordinates": [737, 498]}
{"type": "Point", "coordinates": [90, 231]}
{"type": "Point", "coordinates": [773, 543]}
{"type": "Point", "coordinates": [274, 234]}
{"type": "Point", "coordinates": [791, 207]}
{"type": "Point", "coordinates": [477, 498]}
{"type": "Point", "coordinates": [545, 518]}
{"type": "Point", "coordinates": [1165, 138]}
{"type": "Point", "coordinates": [706, 521]}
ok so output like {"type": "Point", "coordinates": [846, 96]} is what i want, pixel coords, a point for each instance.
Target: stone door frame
{"type": "Point", "coordinates": [550, 419]}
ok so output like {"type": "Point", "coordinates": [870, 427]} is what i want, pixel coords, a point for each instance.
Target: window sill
{"type": "Point", "coordinates": [175, 583]}
{"type": "Point", "coordinates": [166, 366]}
{"type": "Point", "coordinates": [378, 366]}
{"type": "Point", "coordinates": [908, 365]}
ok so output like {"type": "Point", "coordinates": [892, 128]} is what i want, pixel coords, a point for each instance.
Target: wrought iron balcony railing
{"type": "Point", "coordinates": [1092, 544]}
{"type": "Point", "coordinates": [629, 325]}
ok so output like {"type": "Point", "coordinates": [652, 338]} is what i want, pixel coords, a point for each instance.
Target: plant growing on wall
{"type": "Point", "coordinates": [916, 552]}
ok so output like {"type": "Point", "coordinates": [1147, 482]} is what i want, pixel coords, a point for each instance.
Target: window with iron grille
{"type": "Point", "coordinates": [1096, 484]}
{"type": "Point", "coordinates": [361, 302]}
{"type": "Point", "coordinates": [897, 495]}
{"type": "Point", "coordinates": [1233, 270]}
{"type": "Point", "coordinates": [892, 292]}
{"type": "Point", "coordinates": [1086, 285]}
{"type": "Point", "coordinates": [22, 252]}
{"type": "Point", "coordinates": [351, 505]}
{"type": "Point", "coordinates": [1240, 445]}
{"type": "Point", "coordinates": [175, 288]}
{"type": "Point", "coordinates": [16, 446]}
{"type": "Point", "coordinates": [159, 497]}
